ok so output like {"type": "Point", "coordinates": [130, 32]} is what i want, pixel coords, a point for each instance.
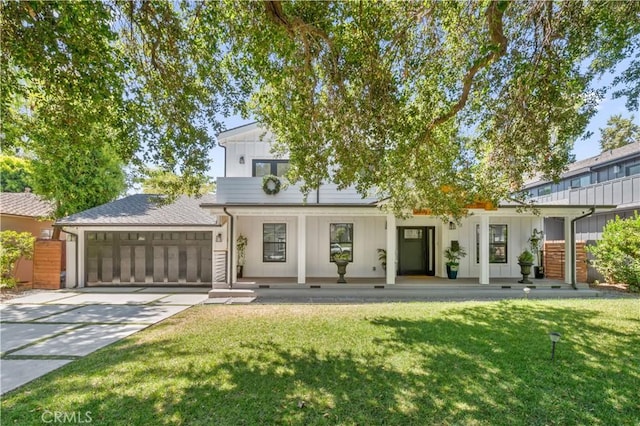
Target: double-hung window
{"type": "Point", "coordinates": [497, 244]}
{"type": "Point", "coordinates": [341, 240]}
{"type": "Point", "coordinates": [274, 242]}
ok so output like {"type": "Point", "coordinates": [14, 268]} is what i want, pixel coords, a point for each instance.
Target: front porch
{"type": "Point", "coordinates": [402, 282]}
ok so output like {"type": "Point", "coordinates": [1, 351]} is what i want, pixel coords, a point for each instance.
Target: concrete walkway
{"type": "Point", "coordinates": [398, 293]}
{"type": "Point", "coordinates": [44, 331]}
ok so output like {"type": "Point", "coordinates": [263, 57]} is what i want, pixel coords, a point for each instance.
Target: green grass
{"type": "Point", "coordinates": [470, 363]}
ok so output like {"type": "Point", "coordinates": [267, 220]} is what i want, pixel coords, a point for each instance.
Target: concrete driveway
{"type": "Point", "coordinates": [44, 331]}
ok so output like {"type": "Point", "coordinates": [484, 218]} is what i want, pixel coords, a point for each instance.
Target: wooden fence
{"type": "Point", "coordinates": [554, 258]}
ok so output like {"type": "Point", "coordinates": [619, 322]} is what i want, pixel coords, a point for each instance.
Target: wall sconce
{"type": "Point", "coordinates": [241, 161]}
{"type": "Point", "coordinates": [219, 237]}
{"type": "Point", "coordinates": [452, 225]}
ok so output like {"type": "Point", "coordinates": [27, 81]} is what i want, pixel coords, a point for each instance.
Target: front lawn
{"type": "Point", "coordinates": [473, 363]}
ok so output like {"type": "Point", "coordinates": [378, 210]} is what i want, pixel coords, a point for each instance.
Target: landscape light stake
{"type": "Point", "coordinates": [555, 338]}
{"type": "Point", "coordinates": [526, 292]}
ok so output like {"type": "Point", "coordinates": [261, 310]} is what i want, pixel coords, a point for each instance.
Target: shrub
{"type": "Point", "coordinates": [617, 253]}
{"type": "Point", "coordinates": [14, 246]}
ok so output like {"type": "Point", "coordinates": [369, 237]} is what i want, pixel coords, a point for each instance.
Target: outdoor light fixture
{"type": "Point", "coordinates": [241, 161]}
{"type": "Point", "coordinates": [219, 237]}
{"type": "Point", "coordinates": [555, 338]}
{"type": "Point", "coordinates": [526, 290]}
{"type": "Point", "coordinates": [452, 225]}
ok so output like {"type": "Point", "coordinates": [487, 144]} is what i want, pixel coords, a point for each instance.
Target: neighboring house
{"type": "Point", "coordinates": [611, 177]}
{"type": "Point", "coordinates": [135, 240]}
{"type": "Point", "coordinates": [289, 236]}
{"type": "Point", "coordinates": [25, 212]}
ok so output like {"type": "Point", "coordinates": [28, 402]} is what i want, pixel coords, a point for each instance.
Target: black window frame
{"type": "Point", "coordinates": [338, 242]}
{"type": "Point", "coordinates": [276, 244]}
{"type": "Point", "coordinates": [494, 245]}
{"type": "Point", "coordinates": [273, 166]}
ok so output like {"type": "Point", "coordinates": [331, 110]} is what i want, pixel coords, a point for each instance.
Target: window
{"type": "Point", "coordinates": [270, 167]}
{"type": "Point", "coordinates": [497, 243]}
{"type": "Point", "coordinates": [544, 190]}
{"type": "Point", "coordinates": [341, 240]}
{"type": "Point", "coordinates": [274, 242]}
{"type": "Point", "coordinates": [581, 181]}
{"type": "Point", "coordinates": [633, 170]}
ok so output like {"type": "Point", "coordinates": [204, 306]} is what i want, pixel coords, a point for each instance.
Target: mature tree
{"type": "Point", "coordinates": [619, 132]}
{"type": "Point", "coordinates": [159, 181]}
{"type": "Point", "coordinates": [428, 104]}
{"type": "Point", "coordinates": [15, 174]}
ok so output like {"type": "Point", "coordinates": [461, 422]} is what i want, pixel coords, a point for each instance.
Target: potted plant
{"type": "Point", "coordinates": [341, 260]}
{"type": "Point", "coordinates": [382, 257]}
{"type": "Point", "coordinates": [535, 241]}
{"type": "Point", "coordinates": [241, 247]}
{"type": "Point", "coordinates": [525, 260]}
{"type": "Point", "coordinates": [453, 254]}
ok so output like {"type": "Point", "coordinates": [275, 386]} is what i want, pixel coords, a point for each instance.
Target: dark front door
{"type": "Point", "coordinates": [416, 250]}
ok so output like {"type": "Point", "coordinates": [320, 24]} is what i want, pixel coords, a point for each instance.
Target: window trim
{"type": "Point", "coordinates": [274, 243]}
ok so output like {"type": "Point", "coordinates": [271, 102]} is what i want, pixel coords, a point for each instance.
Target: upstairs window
{"type": "Point", "coordinates": [270, 167]}
{"type": "Point", "coordinates": [544, 190]}
{"type": "Point", "coordinates": [581, 181]}
{"type": "Point", "coordinates": [633, 170]}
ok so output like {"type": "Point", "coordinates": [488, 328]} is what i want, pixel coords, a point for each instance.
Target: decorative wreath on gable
{"type": "Point", "coordinates": [270, 184]}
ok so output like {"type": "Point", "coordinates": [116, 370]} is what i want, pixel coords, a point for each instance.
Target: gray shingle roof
{"type": "Point", "coordinates": [24, 204]}
{"type": "Point", "coordinates": [141, 209]}
{"type": "Point", "coordinates": [593, 162]}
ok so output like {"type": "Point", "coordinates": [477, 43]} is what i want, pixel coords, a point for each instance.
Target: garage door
{"type": "Point", "coordinates": [148, 257]}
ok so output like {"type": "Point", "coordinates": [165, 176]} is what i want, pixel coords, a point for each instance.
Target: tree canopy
{"type": "Point", "coordinates": [430, 105]}
{"type": "Point", "coordinates": [618, 132]}
{"type": "Point", "coordinates": [15, 174]}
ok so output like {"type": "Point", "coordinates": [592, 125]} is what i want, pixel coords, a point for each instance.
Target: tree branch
{"type": "Point", "coordinates": [494, 16]}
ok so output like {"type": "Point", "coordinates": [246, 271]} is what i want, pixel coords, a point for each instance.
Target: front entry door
{"type": "Point", "coordinates": [416, 250]}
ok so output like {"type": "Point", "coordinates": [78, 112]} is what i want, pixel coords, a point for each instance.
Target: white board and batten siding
{"type": "Point", "coordinates": [368, 236]}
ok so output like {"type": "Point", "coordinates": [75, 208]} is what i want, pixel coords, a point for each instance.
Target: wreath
{"type": "Point", "coordinates": [270, 184]}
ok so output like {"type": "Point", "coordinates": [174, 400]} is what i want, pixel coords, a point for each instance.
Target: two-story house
{"type": "Point", "coordinates": [289, 237]}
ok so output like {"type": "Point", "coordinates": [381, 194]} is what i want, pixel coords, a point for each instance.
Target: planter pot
{"type": "Point", "coordinates": [538, 272]}
{"type": "Point", "coordinates": [525, 270]}
{"type": "Point", "coordinates": [452, 271]}
{"type": "Point", "coordinates": [342, 269]}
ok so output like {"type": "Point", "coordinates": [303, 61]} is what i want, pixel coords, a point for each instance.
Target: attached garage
{"type": "Point", "coordinates": [160, 257]}
{"type": "Point", "coordinates": [138, 241]}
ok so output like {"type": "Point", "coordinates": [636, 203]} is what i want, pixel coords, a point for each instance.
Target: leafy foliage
{"type": "Point", "coordinates": [619, 132]}
{"type": "Point", "coordinates": [432, 105]}
{"type": "Point", "coordinates": [617, 252]}
{"type": "Point", "coordinates": [15, 245]}
{"type": "Point", "coordinates": [15, 174]}
{"type": "Point", "coordinates": [159, 181]}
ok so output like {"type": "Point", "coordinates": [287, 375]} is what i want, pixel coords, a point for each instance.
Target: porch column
{"type": "Point", "coordinates": [391, 249]}
{"type": "Point", "coordinates": [302, 248]}
{"type": "Point", "coordinates": [569, 263]}
{"type": "Point", "coordinates": [484, 250]}
{"type": "Point", "coordinates": [233, 252]}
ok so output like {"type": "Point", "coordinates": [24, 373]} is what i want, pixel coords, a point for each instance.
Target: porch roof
{"type": "Point", "coordinates": [544, 210]}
